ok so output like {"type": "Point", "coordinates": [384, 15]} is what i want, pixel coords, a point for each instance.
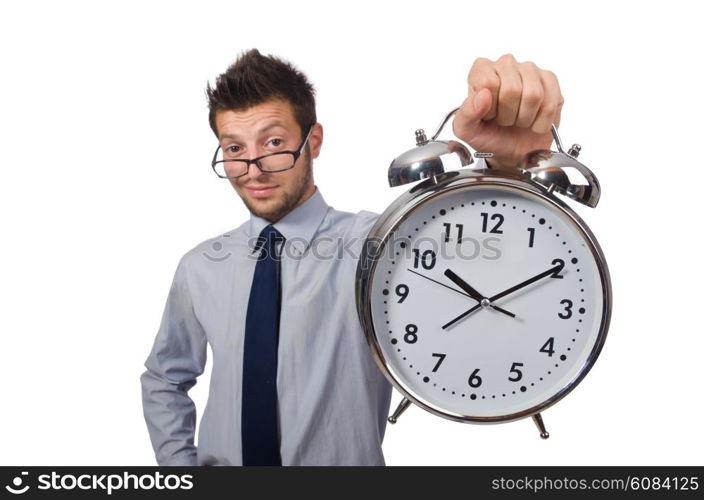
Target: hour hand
{"type": "Point", "coordinates": [474, 293]}
{"type": "Point", "coordinates": [464, 285]}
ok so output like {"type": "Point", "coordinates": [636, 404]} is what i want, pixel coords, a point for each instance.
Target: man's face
{"type": "Point", "coordinates": [267, 128]}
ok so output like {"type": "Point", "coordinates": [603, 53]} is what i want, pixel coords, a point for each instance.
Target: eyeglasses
{"type": "Point", "coordinates": [270, 162]}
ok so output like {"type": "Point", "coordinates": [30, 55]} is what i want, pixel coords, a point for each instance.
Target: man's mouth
{"type": "Point", "coordinates": [260, 191]}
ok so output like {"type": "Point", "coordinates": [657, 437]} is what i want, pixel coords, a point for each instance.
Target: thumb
{"type": "Point", "coordinates": [468, 119]}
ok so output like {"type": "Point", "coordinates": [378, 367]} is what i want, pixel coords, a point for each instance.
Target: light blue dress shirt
{"type": "Point", "coordinates": [333, 399]}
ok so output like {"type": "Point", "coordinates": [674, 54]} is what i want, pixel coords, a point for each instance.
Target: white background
{"type": "Point", "coordinates": [104, 151]}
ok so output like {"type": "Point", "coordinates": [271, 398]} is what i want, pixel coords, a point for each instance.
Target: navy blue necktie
{"type": "Point", "coordinates": [260, 439]}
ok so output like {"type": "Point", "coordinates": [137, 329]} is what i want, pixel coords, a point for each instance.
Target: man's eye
{"type": "Point", "coordinates": [276, 142]}
{"type": "Point", "coordinates": [233, 149]}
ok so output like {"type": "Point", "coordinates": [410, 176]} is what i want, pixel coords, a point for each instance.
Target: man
{"type": "Point", "coordinates": [293, 381]}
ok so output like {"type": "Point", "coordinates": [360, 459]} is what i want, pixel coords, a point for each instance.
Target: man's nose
{"type": "Point", "coordinates": [254, 171]}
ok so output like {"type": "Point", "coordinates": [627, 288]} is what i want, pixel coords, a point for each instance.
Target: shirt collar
{"type": "Point", "coordinates": [298, 226]}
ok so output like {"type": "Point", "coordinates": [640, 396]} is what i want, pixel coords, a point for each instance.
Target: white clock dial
{"type": "Point", "coordinates": [532, 335]}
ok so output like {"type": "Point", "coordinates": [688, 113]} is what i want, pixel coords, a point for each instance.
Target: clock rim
{"type": "Point", "coordinates": [414, 199]}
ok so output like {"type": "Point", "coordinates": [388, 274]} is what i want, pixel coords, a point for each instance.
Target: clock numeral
{"type": "Point", "coordinates": [518, 373]}
{"type": "Point", "coordinates": [531, 237]}
{"type": "Point", "coordinates": [427, 259]}
{"type": "Point", "coordinates": [474, 379]}
{"type": "Point", "coordinates": [568, 309]}
{"type": "Point", "coordinates": [441, 358]}
{"type": "Point", "coordinates": [549, 347]}
{"type": "Point", "coordinates": [485, 222]}
{"type": "Point", "coordinates": [558, 262]}
{"type": "Point", "coordinates": [402, 291]}
{"type": "Point", "coordinates": [460, 228]}
{"type": "Point", "coordinates": [411, 334]}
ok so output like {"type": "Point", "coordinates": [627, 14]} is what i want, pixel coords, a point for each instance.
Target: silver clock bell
{"type": "Point", "coordinates": [557, 171]}
{"type": "Point", "coordinates": [429, 158]}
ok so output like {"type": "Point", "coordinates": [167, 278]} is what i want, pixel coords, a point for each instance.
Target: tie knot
{"type": "Point", "coordinates": [269, 240]}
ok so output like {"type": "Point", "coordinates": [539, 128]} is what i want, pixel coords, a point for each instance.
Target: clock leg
{"type": "Point", "coordinates": [538, 419]}
{"type": "Point", "coordinates": [405, 403]}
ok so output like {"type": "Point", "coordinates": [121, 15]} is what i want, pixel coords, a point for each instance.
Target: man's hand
{"type": "Point", "coordinates": [509, 109]}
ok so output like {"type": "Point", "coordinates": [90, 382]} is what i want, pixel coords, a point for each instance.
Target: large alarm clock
{"type": "Point", "coordinates": [483, 296]}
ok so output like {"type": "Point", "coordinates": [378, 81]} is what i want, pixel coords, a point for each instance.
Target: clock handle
{"type": "Point", "coordinates": [405, 403]}
{"type": "Point", "coordinates": [573, 152]}
{"type": "Point", "coordinates": [442, 125]}
{"type": "Point", "coordinates": [538, 419]}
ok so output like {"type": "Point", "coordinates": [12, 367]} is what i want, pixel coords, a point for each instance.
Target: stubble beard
{"type": "Point", "coordinates": [287, 201]}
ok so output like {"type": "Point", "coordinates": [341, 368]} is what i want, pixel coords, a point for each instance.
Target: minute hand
{"type": "Point", "coordinates": [525, 283]}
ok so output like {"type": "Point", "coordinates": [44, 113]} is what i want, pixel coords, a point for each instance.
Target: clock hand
{"type": "Point", "coordinates": [439, 283]}
{"type": "Point", "coordinates": [488, 302]}
{"type": "Point", "coordinates": [525, 283]}
{"type": "Point", "coordinates": [462, 293]}
{"type": "Point", "coordinates": [464, 314]}
{"type": "Point", "coordinates": [464, 285]}
{"type": "Point", "coordinates": [497, 308]}
{"type": "Point", "coordinates": [473, 293]}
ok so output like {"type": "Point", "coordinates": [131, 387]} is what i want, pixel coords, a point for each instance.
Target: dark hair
{"type": "Point", "coordinates": [253, 79]}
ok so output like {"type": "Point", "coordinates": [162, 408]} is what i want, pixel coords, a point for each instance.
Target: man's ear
{"type": "Point", "coordinates": [316, 140]}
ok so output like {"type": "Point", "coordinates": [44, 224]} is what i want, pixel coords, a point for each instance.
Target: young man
{"type": "Point", "coordinates": [293, 381]}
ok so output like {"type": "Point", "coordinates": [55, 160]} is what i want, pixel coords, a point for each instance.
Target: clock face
{"type": "Point", "coordinates": [488, 301]}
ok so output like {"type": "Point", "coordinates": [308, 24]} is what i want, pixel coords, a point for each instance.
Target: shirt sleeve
{"type": "Point", "coordinates": [177, 358]}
